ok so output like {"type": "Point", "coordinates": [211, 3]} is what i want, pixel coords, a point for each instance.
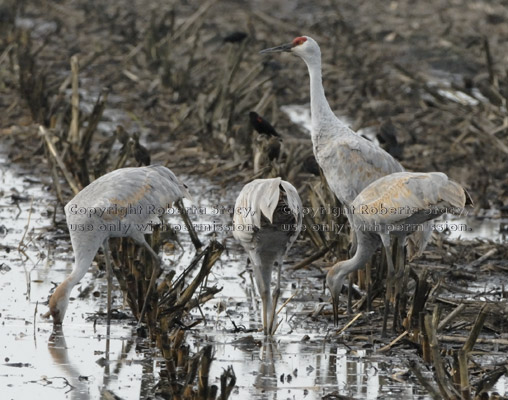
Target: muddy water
{"type": "Point", "coordinates": [300, 362]}
{"type": "Point", "coordinates": [66, 365]}
{"type": "Point", "coordinates": [303, 361]}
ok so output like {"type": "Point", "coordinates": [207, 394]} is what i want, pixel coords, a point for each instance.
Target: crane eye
{"type": "Point", "coordinates": [299, 40]}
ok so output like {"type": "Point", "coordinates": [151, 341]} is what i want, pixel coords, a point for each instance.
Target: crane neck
{"type": "Point", "coordinates": [83, 258]}
{"type": "Point", "coordinates": [366, 246]}
{"type": "Point", "coordinates": [322, 116]}
{"type": "Point", "coordinates": [76, 275]}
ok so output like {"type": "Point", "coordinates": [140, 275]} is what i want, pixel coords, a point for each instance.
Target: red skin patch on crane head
{"type": "Point", "coordinates": [299, 40]}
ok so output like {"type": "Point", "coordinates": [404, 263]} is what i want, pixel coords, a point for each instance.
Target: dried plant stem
{"type": "Point", "coordinates": [74, 127]}
{"type": "Point", "coordinates": [68, 177]}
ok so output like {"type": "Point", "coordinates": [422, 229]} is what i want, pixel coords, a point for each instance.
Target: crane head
{"type": "Point", "coordinates": [58, 304]}
{"type": "Point", "coordinates": [303, 46]}
{"type": "Point", "coordinates": [334, 280]}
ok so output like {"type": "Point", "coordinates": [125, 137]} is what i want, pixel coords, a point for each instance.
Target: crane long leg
{"type": "Point", "coordinates": [389, 282]}
{"type": "Point", "coordinates": [153, 278]}
{"type": "Point", "coordinates": [401, 257]}
{"type": "Point", "coordinates": [389, 262]}
{"type": "Point", "coordinates": [263, 277]}
{"type": "Point", "coordinates": [368, 283]}
{"type": "Point", "coordinates": [398, 289]}
{"type": "Point", "coordinates": [275, 299]}
{"type": "Point", "coordinates": [109, 276]}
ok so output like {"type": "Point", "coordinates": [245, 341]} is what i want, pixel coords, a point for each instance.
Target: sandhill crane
{"type": "Point", "coordinates": [267, 220]}
{"type": "Point", "coordinates": [349, 161]}
{"type": "Point", "coordinates": [396, 204]}
{"type": "Point", "coordinates": [122, 203]}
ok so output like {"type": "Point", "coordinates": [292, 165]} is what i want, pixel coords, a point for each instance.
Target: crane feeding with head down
{"type": "Point", "coordinates": [396, 204]}
{"type": "Point", "coordinates": [267, 221]}
{"type": "Point", "coordinates": [122, 203]}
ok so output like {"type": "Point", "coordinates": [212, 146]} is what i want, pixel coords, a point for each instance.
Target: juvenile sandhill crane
{"type": "Point", "coordinates": [122, 203]}
{"type": "Point", "coordinates": [396, 204]}
{"type": "Point", "coordinates": [267, 221]}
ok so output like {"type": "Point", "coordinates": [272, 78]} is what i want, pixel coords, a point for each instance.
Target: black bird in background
{"type": "Point", "coordinates": [267, 145]}
{"type": "Point", "coordinates": [387, 138]}
{"type": "Point", "coordinates": [235, 37]}
{"type": "Point", "coordinates": [310, 165]}
{"type": "Point", "coordinates": [261, 125]}
{"type": "Point", "coordinates": [141, 153]}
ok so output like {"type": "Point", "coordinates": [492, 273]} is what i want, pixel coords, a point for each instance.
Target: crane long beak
{"type": "Point", "coordinates": [285, 47]}
{"type": "Point", "coordinates": [335, 306]}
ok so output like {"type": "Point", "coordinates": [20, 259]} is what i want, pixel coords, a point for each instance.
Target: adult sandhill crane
{"type": "Point", "coordinates": [395, 204]}
{"type": "Point", "coordinates": [122, 203]}
{"type": "Point", "coordinates": [349, 161]}
{"type": "Point", "coordinates": [267, 220]}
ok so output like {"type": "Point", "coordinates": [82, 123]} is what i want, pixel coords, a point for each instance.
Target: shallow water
{"type": "Point", "coordinates": [32, 363]}
{"type": "Point", "coordinates": [302, 361]}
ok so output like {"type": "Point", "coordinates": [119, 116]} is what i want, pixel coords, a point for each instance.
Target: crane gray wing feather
{"type": "Point", "coordinates": [146, 190]}
{"type": "Point", "coordinates": [351, 163]}
{"type": "Point", "coordinates": [294, 202]}
{"type": "Point", "coordinates": [259, 197]}
{"type": "Point", "coordinates": [395, 198]}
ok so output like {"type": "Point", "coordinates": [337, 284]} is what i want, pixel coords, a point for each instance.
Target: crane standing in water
{"type": "Point", "coordinates": [349, 161]}
{"type": "Point", "coordinates": [267, 221]}
{"type": "Point", "coordinates": [121, 203]}
{"type": "Point", "coordinates": [396, 204]}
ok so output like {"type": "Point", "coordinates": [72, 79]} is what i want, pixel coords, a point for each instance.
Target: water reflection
{"type": "Point", "coordinates": [326, 366]}
{"type": "Point", "coordinates": [266, 379]}
{"type": "Point", "coordinates": [57, 347]}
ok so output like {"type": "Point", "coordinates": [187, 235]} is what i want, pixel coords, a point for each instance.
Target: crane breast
{"type": "Point", "coordinates": [351, 163]}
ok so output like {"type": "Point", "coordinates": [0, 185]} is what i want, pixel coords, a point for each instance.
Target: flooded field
{"type": "Point", "coordinates": [304, 360]}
